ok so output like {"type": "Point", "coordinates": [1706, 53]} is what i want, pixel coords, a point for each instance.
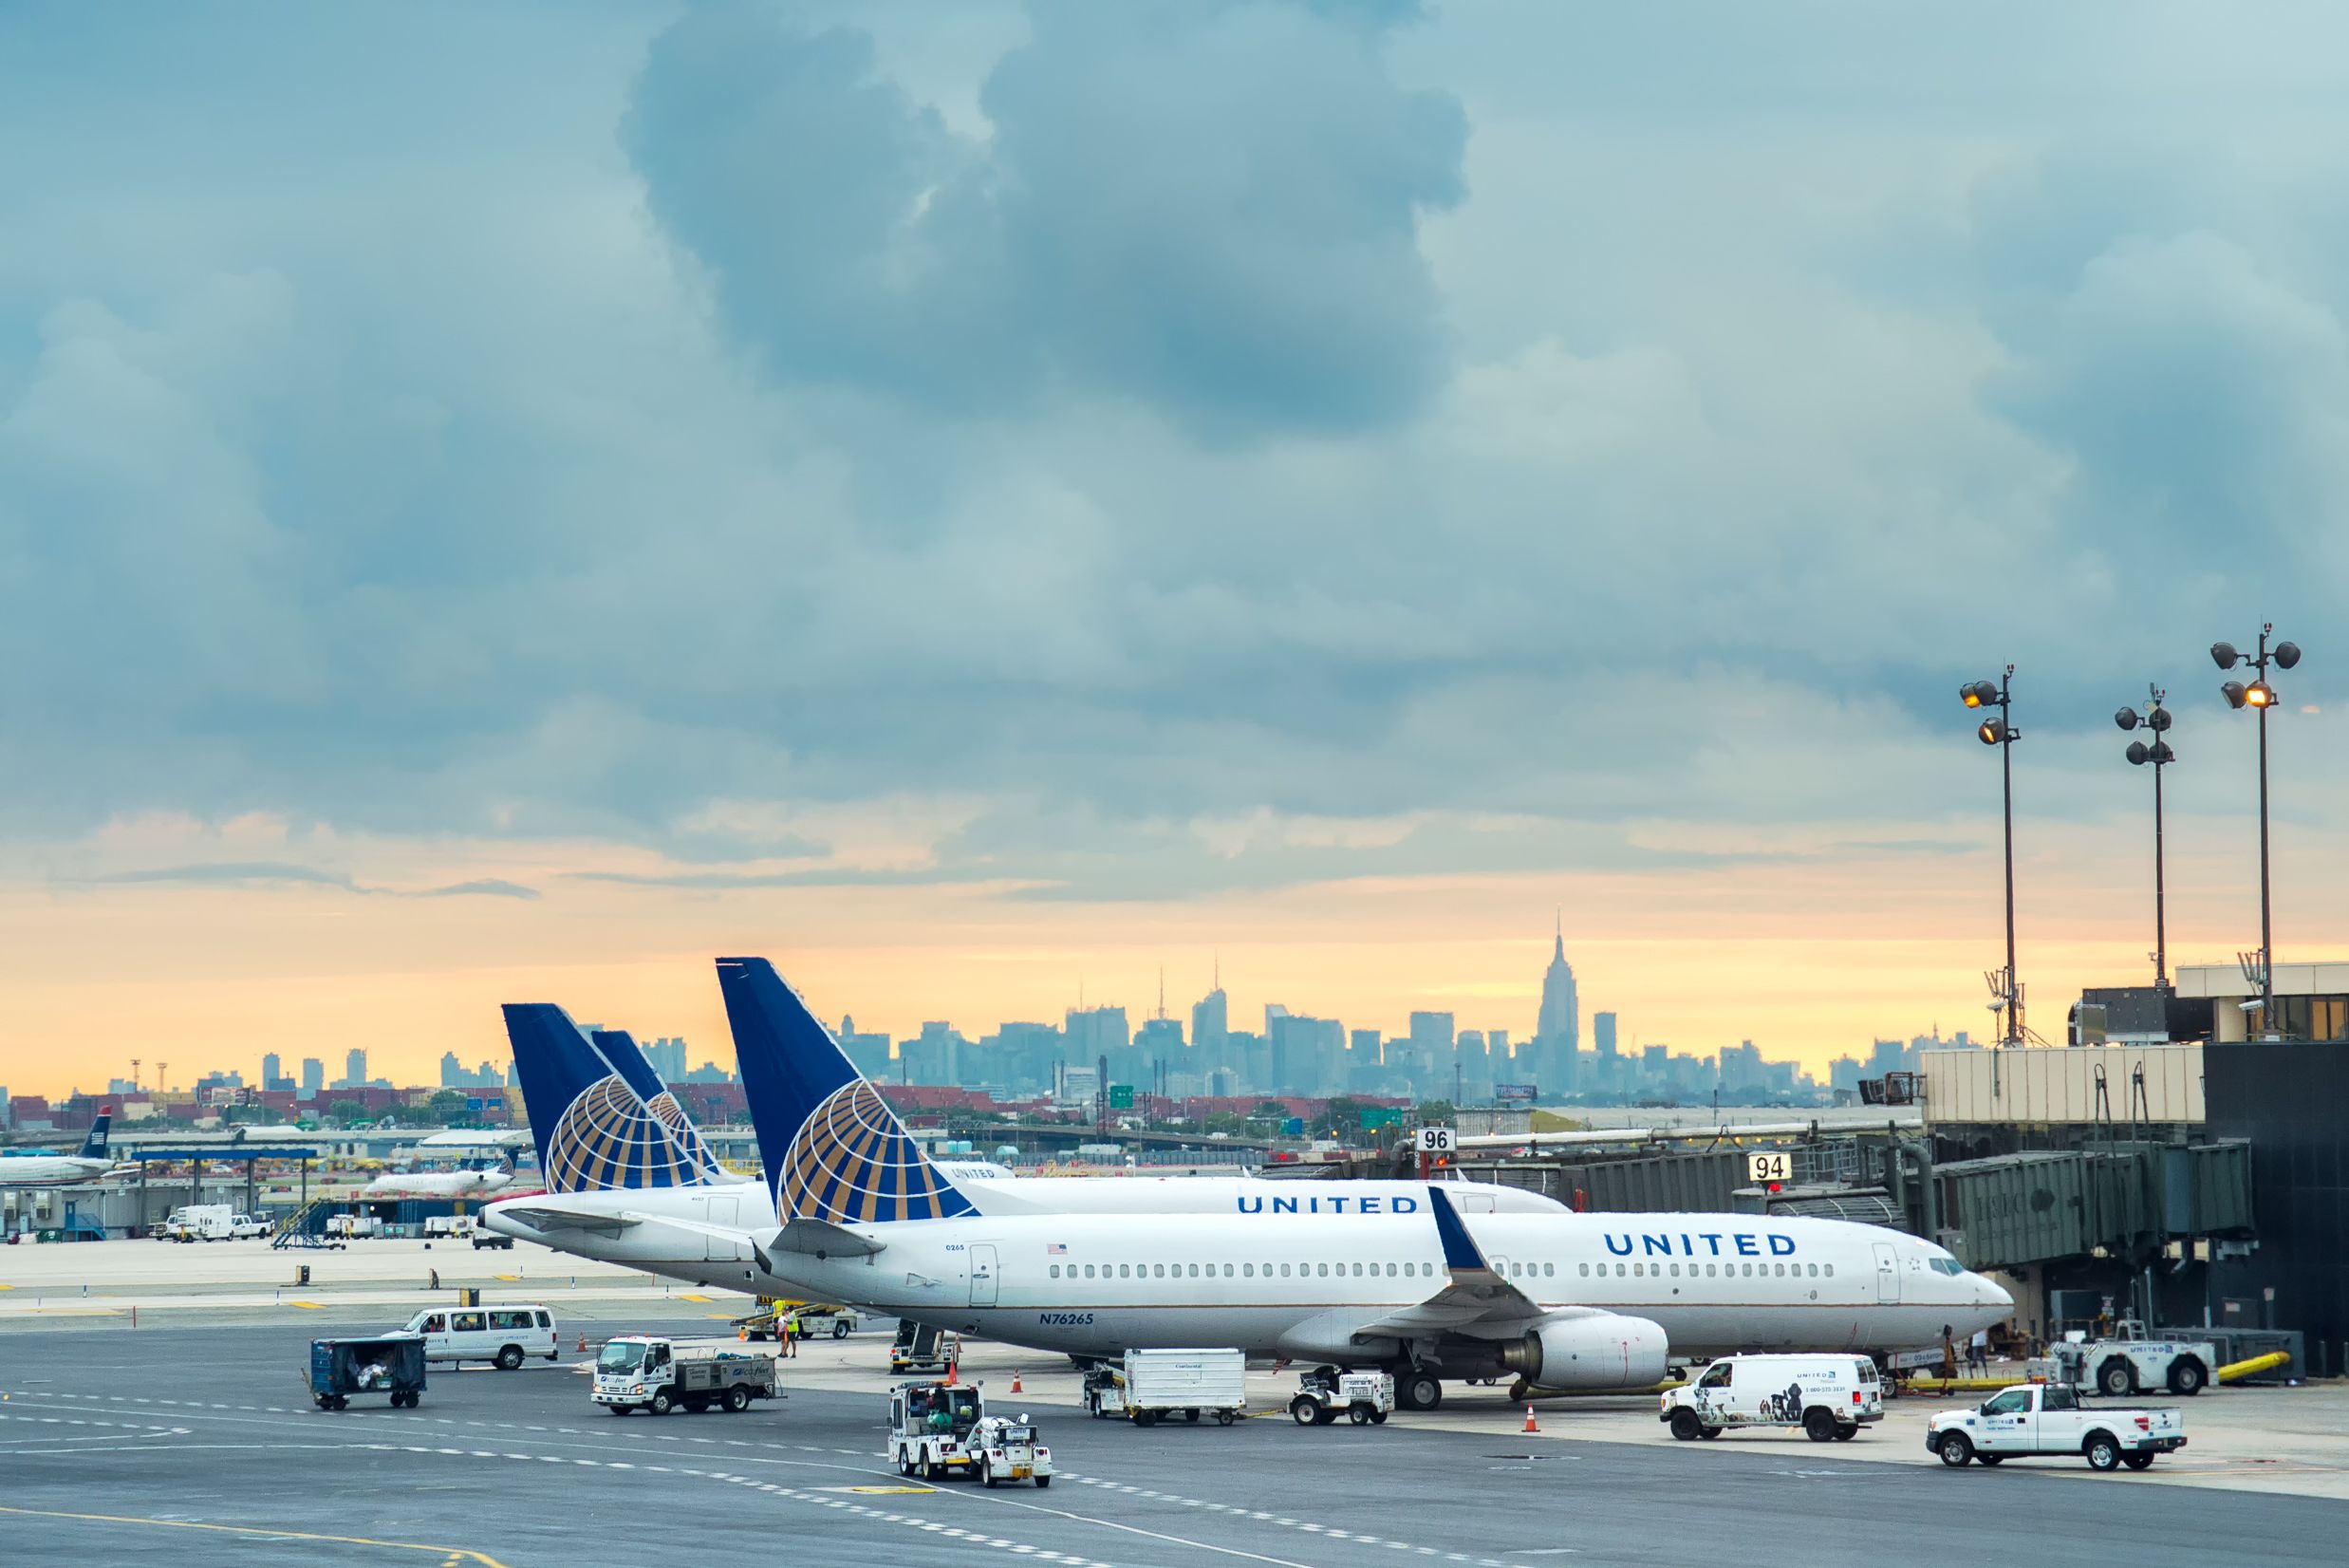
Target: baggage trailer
{"type": "Point", "coordinates": [1147, 1387]}
{"type": "Point", "coordinates": [930, 1428]}
{"type": "Point", "coordinates": [388, 1364]}
{"type": "Point", "coordinates": [654, 1373]}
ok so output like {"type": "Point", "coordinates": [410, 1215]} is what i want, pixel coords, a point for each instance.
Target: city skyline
{"type": "Point", "coordinates": [1537, 1056]}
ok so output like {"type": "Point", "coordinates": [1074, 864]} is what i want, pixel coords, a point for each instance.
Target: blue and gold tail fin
{"type": "Point", "coordinates": [834, 1151]}
{"type": "Point", "coordinates": [620, 1048]}
{"type": "Point", "coordinates": [593, 1134]}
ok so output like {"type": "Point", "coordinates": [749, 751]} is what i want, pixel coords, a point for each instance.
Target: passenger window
{"type": "Point", "coordinates": [1248, 1269]}
{"type": "Point", "coordinates": [1088, 1270]}
{"type": "Point", "coordinates": [1639, 1271]}
{"type": "Point", "coordinates": [1323, 1270]}
{"type": "Point", "coordinates": [1194, 1271]}
{"type": "Point", "coordinates": [1284, 1271]}
{"type": "Point", "coordinates": [1830, 1271]}
{"type": "Point", "coordinates": [469, 1322]}
{"type": "Point", "coordinates": [1227, 1271]}
{"type": "Point", "coordinates": [545, 1321]}
{"type": "Point", "coordinates": [1054, 1269]}
{"type": "Point", "coordinates": [1621, 1271]}
{"type": "Point", "coordinates": [1390, 1271]}
{"type": "Point", "coordinates": [435, 1324]}
{"type": "Point", "coordinates": [1549, 1271]}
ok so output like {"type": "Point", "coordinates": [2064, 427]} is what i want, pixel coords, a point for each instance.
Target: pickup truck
{"type": "Point", "coordinates": [2051, 1419]}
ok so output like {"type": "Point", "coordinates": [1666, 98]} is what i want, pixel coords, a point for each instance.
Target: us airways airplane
{"type": "Point", "coordinates": [28, 1170]}
{"type": "Point", "coordinates": [1397, 1278]}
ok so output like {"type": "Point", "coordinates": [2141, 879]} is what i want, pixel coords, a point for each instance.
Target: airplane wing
{"type": "Point", "coordinates": [1478, 1300]}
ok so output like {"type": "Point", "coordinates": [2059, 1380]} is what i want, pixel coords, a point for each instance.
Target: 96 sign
{"type": "Point", "coordinates": [1435, 1140]}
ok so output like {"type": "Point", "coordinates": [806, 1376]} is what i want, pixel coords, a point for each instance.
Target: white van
{"type": "Point", "coordinates": [1830, 1397]}
{"type": "Point", "coordinates": [500, 1335]}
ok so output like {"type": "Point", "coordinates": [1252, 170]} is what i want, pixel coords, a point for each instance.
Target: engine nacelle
{"type": "Point", "coordinates": [1600, 1350]}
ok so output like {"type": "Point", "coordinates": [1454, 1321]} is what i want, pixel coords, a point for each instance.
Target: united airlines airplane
{"type": "Point", "coordinates": [1399, 1278]}
{"type": "Point", "coordinates": [30, 1171]}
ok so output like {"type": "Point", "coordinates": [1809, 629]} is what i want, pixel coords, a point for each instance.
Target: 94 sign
{"type": "Point", "coordinates": [1774, 1167]}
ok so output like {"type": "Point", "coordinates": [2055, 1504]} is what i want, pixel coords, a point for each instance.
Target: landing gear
{"type": "Point", "coordinates": [1416, 1388]}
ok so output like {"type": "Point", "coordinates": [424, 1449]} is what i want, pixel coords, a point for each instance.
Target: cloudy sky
{"type": "Point", "coordinates": [975, 501]}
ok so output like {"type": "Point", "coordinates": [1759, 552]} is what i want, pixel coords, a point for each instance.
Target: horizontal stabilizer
{"type": "Point", "coordinates": [822, 1239]}
{"type": "Point", "coordinates": [553, 1217]}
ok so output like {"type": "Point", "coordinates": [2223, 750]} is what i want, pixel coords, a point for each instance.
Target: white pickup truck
{"type": "Point", "coordinates": [2051, 1419]}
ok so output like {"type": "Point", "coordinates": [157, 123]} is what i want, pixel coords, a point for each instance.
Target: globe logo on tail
{"type": "Point", "coordinates": [680, 1130]}
{"type": "Point", "coordinates": [605, 1139]}
{"type": "Point", "coordinates": [852, 1163]}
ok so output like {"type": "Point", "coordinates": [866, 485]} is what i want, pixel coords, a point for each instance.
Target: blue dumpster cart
{"type": "Point", "coordinates": [387, 1363]}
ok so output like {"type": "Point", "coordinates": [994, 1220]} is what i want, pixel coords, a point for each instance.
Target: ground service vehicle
{"type": "Point", "coordinates": [644, 1372]}
{"type": "Point", "coordinates": [922, 1349]}
{"type": "Point", "coordinates": [2052, 1418]}
{"type": "Point", "coordinates": [1152, 1386]}
{"type": "Point", "coordinates": [804, 1319]}
{"type": "Point", "coordinates": [388, 1364]}
{"type": "Point", "coordinates": [1007, 1450]}
{"type": "Point", "coordinates": [351, 1227]}
{"type": "Point", "coordinates": [1830, 1397]}
{"type": "Point", "coordinates": [2131, 1360]}
{"type": "Point", "coordinates": [201, 1222]}
{"type": "Point", "coordinates": [1365, 1397]}
{"type": "Point", "coordinates": [492, 1239]}
{"type": "Point", "coordinates": [930, 1427]}
{"type": "Point", "coordinates": [247, 1227]}
{"type": "Point", "coordinates": [500, 1335]}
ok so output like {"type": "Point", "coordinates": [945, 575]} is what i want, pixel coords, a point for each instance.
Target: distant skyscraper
{"type": "Point", "coordinates": [1211, 1031]}
{"type": "Point", "coordinates": [1558, 1034]}
{"type": "Point", "coordinates": [452, 1071]}
{"type": "Point", "coordinates": [313, 1077]}
{"type": "Point", "coordinates": [355, 1069]}
{"type": "Point", "coordinates": [270, 1071]}
{"type": "Point", "coordinates": [1603, 1032]}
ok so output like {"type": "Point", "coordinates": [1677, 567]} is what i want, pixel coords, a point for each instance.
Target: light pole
{"type": "Point", "coordinates": [1999, 730]}
{"type": "Point", "coordinates": [2157, 719]}
{"type": "Point", "coordinates": [2260, 695]}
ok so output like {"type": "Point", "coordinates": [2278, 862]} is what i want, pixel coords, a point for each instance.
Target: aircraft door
{"type": "Point", "coordinates": [1887, 1275]}
{"type": "Point", "coordinates": [721, 1211]}
{"type": "Point", "coordinates": [982, 1275]}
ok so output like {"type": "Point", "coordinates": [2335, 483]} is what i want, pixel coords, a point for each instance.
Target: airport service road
{"type": "Point", "coordinates": [199, 1447]}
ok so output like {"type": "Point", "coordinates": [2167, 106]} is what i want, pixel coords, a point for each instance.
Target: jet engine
{"type": "Point", "coordinates": [1601, 1350]}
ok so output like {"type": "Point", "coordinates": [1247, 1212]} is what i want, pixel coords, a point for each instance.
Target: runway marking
{"type": "Point", "coordinates": [448, 1553]}
{"type": "Point", "coordinates": [1327, 1532]}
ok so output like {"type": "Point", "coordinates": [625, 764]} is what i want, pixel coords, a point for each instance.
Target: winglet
{"type": "Point", "coordinates": [1460, 1248]}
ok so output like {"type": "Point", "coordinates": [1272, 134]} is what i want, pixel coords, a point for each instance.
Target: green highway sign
{"type": "Point", "coordinates": [1121, 1096]}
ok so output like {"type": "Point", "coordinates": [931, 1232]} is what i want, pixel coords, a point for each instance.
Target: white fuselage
{"type": "Point", "coordinates": [51, 1170]}
{"type": "Point", "coordinates": [1303, 1284]}
{"type": "Point", "coordinates": [439, 1183]}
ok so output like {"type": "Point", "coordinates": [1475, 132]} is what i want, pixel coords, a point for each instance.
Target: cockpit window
{"type": "Point", "coordinates": [1947, 1265]}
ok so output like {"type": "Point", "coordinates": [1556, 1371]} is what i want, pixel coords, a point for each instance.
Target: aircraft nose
{"type": "Point", "coordinates": [1990, 1295]}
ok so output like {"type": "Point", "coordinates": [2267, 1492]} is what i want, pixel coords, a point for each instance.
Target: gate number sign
{"type": "Point", "coordinates": [1768, 1168]}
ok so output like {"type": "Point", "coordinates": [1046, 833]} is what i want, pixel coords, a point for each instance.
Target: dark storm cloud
{"type": "Point", "coordinates": [1209, 208]}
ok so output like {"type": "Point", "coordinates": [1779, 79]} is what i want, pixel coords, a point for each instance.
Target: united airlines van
{"type": "Point", "coordinates": [500, 1335]}
{"type": "Point", "coordinates": [1830, 1397]}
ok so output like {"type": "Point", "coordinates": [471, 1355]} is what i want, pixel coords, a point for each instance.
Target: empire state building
{"type": "Point", "coordinates": [1558, 1033]}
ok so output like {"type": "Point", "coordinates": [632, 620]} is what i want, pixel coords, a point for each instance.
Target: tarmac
{"type": "Point", "coordinates": [190, 1438]}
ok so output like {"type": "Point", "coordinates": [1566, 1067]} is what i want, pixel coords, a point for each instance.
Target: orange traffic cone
{"type": "Point", "coordinates": [583, 1341]}
{"type": "Point", "coordinates": [1015, 1380]}
{"type": "Point", "coordinates": [1531, 1425]}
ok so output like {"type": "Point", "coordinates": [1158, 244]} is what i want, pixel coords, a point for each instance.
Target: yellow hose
{"type": "Point", "coordinates": [2255, 1366]}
